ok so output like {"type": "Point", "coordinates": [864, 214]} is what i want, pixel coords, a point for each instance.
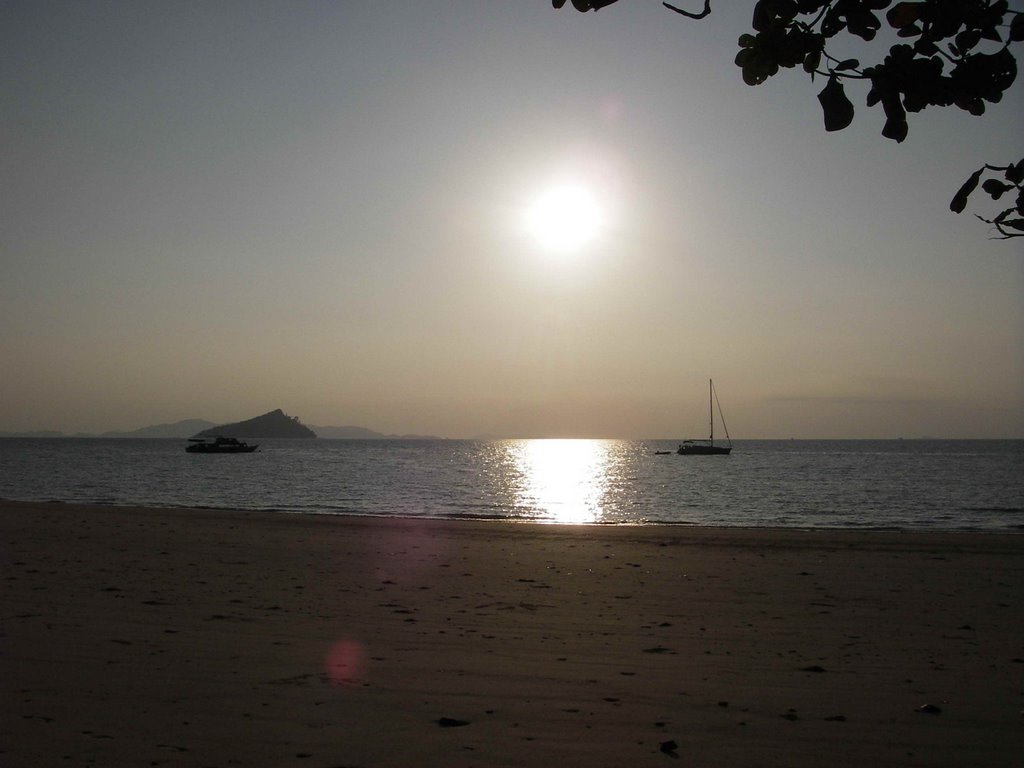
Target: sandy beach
{"type": "Point", "coordinates": [157, 637]}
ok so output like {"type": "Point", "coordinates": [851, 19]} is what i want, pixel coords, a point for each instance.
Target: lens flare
{"type": "Point", "coordinates": [345, 663]}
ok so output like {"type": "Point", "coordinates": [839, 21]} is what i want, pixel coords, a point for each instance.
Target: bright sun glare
{"type": "Point", "coordinates": [564, 218]}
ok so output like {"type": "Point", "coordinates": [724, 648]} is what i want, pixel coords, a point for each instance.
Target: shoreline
{"type": "Point", "coordinates": [1017, 530]}
{"type": "Point", "coordinates": [175, 636]}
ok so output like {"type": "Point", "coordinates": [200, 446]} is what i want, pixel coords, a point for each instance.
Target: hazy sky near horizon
{"type": "Point", "coordinates": [211, 210]}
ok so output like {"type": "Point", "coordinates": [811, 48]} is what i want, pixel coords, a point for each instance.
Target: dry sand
{"type": "Point", "coordinates": [139, 637]}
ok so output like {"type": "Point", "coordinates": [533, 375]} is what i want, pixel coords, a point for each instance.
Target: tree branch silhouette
{"type": "Point", "coordinates": [701, 15]}
{"type": "Point", "coordinates": [956, 53]}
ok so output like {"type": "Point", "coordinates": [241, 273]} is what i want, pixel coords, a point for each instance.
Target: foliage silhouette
{"type": "Point", "coordinates": [956, 53]}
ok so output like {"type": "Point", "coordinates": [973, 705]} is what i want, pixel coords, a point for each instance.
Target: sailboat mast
{"type": "Point", "coordinates": [711, 410]}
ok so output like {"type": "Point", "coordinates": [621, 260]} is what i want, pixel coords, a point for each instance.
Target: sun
{"type": "Point", "coordinates": [565, 218]}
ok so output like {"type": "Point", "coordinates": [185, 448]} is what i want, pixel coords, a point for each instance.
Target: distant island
{"type": "Point", "coordinates": [274, 424]}
{"type": "Point", "coordinates": [277, 424]}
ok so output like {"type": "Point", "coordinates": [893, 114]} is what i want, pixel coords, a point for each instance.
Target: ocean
{"type": "Point", "coordinates": [974, 485]}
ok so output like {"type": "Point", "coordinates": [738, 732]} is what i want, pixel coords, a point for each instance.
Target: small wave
{"type": "Point", "coordinates": [1002, 510]}
{"type": "Point", "coordinates": [513, 517]}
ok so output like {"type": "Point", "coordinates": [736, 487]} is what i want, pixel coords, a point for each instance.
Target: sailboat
{"type": "Point", "coordinates": [708, 447]}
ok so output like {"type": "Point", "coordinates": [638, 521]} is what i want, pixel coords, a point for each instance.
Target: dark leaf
{"type": "Point", "coordinates": [959, 201]}
{"type": "Point", "coordinates": [847, 64]}
{"type": "Point", "coordinates": [811, 61]}
{"type": "Point", "coordinates": [861, 22]}
{"type": "Point", "coordinates": [785, 9]}
{"type": "Point", "coordinates": [1017, 28]}
{"type": "Point", "coordinates": [967, 40]}
{"type": "Point", "coordinates": [895, 127]}
{"type": "Point", "coordinates": [757, 67]}
{"type": "Point", "coordinates": [1015, 173]}
{"type": "Point", "coordinates": [1004, 70]}
{"type": "Point", "coordinates": [973, 105]}
{"type": "Point", "coordinates": [1014, 224]}
{"type": "Point", "coordinates": [903, 14]}
{"type": "Point", "coordinates": [925, 47]}
{"type": "Point", "coordinates": [833, 23]}
{"type": "Point", "coordinates": [837, 108]}
{"type": "Point", "coordinates": [996, 188]}
{"type": "Point", "coordinates": [762, 16]}
{"type": "Point", "coordinates": [558, 3]}
{"type": "Point", "coordinates": [991, 33]}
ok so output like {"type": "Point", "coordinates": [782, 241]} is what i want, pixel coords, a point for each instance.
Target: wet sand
{"type": "Point", "coordinates": [209, 638]}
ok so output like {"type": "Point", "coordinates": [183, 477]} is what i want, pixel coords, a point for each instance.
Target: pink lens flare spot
{"type": "Point", "coordinates": [345, 663]}
{"type": "Point", "coordinates": [612, 109]}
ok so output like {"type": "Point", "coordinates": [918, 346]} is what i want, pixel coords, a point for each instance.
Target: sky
{"type": "Point", "coordinates": [212, 210]}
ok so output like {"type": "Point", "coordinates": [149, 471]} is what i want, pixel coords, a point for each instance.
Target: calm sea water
{"type": "Point", "coordinates": [912, 484]}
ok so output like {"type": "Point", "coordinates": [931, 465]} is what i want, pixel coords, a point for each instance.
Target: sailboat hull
{"type": "Point", "coordinates": [703, 450]}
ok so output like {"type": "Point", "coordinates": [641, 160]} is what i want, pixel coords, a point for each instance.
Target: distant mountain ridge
{"type": "Point", "coordinates": [36, 433]}
{"type": "Point", "coordinates": [362, 433]}
{"type": "Point", "coordinates": [177, 429]}
{"type": "Point", "coordinates": [185, 428]}
{"type": "Point", "coordinates": [201, 427]}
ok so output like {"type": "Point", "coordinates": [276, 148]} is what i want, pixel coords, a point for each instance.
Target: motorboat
{"type": "Point", "coordinates": [219, 445]}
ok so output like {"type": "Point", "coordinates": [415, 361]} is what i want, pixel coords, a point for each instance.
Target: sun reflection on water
{"type": "Point", "coordinates": [563, 481]}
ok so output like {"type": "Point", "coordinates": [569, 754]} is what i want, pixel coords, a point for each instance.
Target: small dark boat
{"type": "Point", "coordinates": [219, 445]}
{"type": "Point", "coordinates": [708, 447]}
